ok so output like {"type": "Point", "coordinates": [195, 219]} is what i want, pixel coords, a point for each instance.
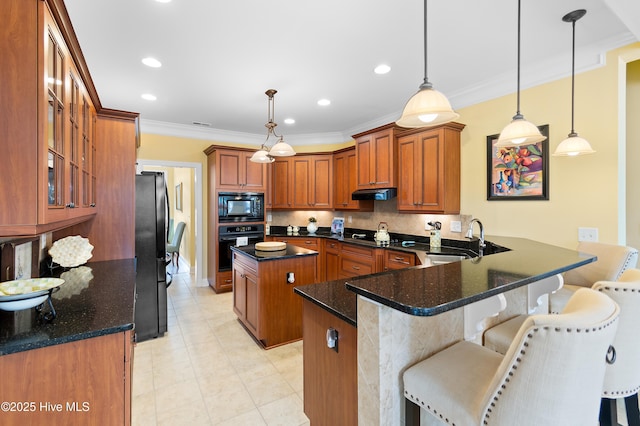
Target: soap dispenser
{"type": "Point", "coordinates": [434, 234]}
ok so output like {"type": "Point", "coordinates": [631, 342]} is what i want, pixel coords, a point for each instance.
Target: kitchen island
{"type": "Point", "coordinates": [263, 297]}
{"type": "Point", "coordinates": [75, 369]}
{"type": "Point", "coordinates": [407, 315]}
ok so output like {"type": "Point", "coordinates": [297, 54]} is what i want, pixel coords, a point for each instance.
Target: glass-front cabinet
{"type": "Point", "coordinates": [70, 182]}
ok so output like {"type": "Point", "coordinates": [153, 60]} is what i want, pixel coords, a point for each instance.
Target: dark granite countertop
{"type": "Point", "coordinates": [261, 256]}
{"type": "Point", "coordinates": [424, 291]}
{"type": "Point", "coordinates": [432, 290]}
{"type": "Point", "coordinates": [96, 299]}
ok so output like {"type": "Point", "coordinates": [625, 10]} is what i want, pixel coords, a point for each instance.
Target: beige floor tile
{"type": "Point", "coordinates": [207, 370]}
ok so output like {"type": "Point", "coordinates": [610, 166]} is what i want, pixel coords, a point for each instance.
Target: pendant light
{"type": "Point", "coordinates": [519, 131]}
{"type": "Point", "coordinates": [573, 145]}
{"type": "Point", "coordinates": [428, 107]}
{"type": "Point", "coordinates": [281, 148]}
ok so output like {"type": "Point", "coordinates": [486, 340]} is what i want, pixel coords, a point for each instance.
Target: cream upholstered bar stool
{"type": "Point", "coordinates": [612, 261]}
{"type": "Point", "coordinates": [622, 378]}
{"type": "Point", "coordinates": [468, 384]}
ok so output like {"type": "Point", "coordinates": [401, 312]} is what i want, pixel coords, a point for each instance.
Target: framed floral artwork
{"type": "Point", "coordinates": [518, 172]}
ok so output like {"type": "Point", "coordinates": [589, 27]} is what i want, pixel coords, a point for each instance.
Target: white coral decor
{"type": "Point", "coordinates": [71, 251]}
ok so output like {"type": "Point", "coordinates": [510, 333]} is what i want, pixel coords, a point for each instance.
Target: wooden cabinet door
{"type": "Point", "coordinates": [321, 184]}
{"type": "Point", "coordinates": [429, 170]}
{"type": "Point", "coordinates": [300, 181]}
{"type": "Point", "coordinates": [252, 317]}
{"type": "Point", "coordinates": [281, 197]}
{"type": "Point", "coordinates": [395, 259]}
{"type": "Point", "coordinates": [236, 171]}
{"type": "Point", "coordinates": [239, 290]}
{"type": "Point", "coordinates": [345, 182]}
{"type": "Point", "coordinates": [377, 158]}
{"type": "Point", "coordinates": [330, 376]}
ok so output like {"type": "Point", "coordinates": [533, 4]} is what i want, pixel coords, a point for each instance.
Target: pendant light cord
{"type": "Point", "coordinates": [573, 75]}
{"type": "Point", "coordinates": [518, 115]}
{"type": "Point", "coordinates": [425, 83]}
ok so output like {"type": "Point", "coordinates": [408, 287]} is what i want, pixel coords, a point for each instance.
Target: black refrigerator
{"type": "Point", "coordinates": [152, 212]}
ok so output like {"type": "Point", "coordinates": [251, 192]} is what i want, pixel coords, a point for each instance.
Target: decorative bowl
{"type": "Point", "coordinates": [24, 294]}
{"type": "Point", "coordinates": [71, 251]}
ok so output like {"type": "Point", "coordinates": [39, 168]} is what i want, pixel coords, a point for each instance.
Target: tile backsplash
{"type": "Point", "coordinates": [384, 211]}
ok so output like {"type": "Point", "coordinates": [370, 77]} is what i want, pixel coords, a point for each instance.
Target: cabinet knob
{"type": "Point", "coordinates": [71, 205]}
{"type": "Point", "coordinates": [92, 204]}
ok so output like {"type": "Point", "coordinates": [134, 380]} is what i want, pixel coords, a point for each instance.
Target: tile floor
{"type": "Point", "coordinates": [206, 370]}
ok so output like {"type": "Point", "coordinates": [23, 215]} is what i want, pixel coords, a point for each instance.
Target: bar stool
{"type": "Point", "coordinates": [612, 261]}
{"type": "Point", "coordinates": [622, 378]}
{"type": "Point", "coordinates": [468, 384]}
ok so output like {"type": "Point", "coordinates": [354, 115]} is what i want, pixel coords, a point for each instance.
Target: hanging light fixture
{"type": "Point", "coordinates": [428, 107]}
{"type": "Point", "coordinates": [519, 131]}
{"type": "Point", "coordinates": [573, 145]}
{"type": "Point", "coordinates": [281, 148]}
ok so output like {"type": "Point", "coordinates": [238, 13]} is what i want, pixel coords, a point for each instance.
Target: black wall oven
{"type": "Point", "coordinates": [240, 207]}
{"type": "Point", "coordinates": [228, 237]}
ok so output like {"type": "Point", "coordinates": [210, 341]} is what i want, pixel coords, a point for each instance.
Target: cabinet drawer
{"type": "Point", "coordinates": [308, 243]}
{"type": "Point", "coordinates": [332, 246]}
{"type": "Point", "coordinates": [398, 259]}
{"type": "Point", "coordinates": [353, 267]}
{"type": "Point", "coordinates": [356, 250]}
{"type": "Point", "coordinates": [224, 281]}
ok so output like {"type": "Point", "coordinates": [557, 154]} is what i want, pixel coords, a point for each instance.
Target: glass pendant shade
{"type": "Point", "coordinates": [428, 107]}
{"type": "Point", "coordinates": [519, 132]}
{"type": "Point", "coordinates": [573, 145]}
{"type": "Point", "coordinates": [261, 156]}
{"type": "Point", "coordinates": [282, 149]}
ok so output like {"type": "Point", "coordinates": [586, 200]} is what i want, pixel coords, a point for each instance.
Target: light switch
{"type": "Point", "coordinates": [332, 339]}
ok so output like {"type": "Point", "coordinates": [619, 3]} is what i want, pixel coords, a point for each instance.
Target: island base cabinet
{"type": "Point", "coordinates": [330, 376]}
{"type": "Point", "coordinates": [263, 298]}
{"type": "Point", "coordinates": [82, 382]}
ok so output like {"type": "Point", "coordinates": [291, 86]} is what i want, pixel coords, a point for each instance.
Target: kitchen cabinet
{"type": "Point", "coordinates": [303, 182]}
{"type": "Point", "coordinates": [263, 298]}
{"type": "Point", "coordinates": [245, 293]}
{"type": "Point", "coordinates": [310, 243]}
{"type": "Point", "coordinates": [235, 171]}
{"type": "Point", "coordinates": [330, 376]}
{"type": "Point", "coordinates": [429, 170]}
{"type": "Point", "coordinates": [90, 378]}
{"type": "Point", "coordinates": [377, 157]}
{"type": "Point", "coordinates": [345, 181]}
{"type": "Point", "coordinates": [48, 118]}
{"type": "Point", "coordinates": [357, 260]}
{"type": "Point", "coordinates": [332, 259]}
{"type": "Point", "coordinates": [395, 259]}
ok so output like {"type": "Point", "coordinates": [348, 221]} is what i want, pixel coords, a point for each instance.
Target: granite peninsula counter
{"type": "Point", "coordinates": [407, 315]}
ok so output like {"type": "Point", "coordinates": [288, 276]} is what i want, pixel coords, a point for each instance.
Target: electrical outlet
{"type": "Point", "coordinates": [269, 217]}
{"type": "Point", "coordinates": [587, 234]}
{"type": "Point", "coordinates": [427, 227]}
{"type": "Point", "coordinates": [349, 219]}
{"type": "Point", "coordinates": [456, 226]}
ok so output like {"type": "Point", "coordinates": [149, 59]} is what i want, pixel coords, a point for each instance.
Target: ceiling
{"type": "Point", "coordinates": [219, 57]}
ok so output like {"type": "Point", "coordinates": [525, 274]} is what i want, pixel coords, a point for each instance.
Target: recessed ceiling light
{"type": "Point", "coordinates": [382, 69]}
{"type": "Point", "coordinates": [163, 1]}
{"type": "Point", "coordinates": [324, 102]}
{"type": "Point", "coordinates": [289, 121]}
{"type": "Point", "coordinates": [149, 97]}
{"type": "Point", "coordinates": [151, 62]}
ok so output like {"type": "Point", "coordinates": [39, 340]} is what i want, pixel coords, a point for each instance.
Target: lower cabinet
{"type": "Point", "coordinates": [332, 259]}
{"type": "Point", "coordinates": [263, 298]}
{"type": "Point", "coordinates": [330, 376]}
{"type": "Point", "coordinates": [395, 259]}
{"type": "Point", "coordinates": [82, 382]}
{"type": "Point", "coordinates": [357, 260]}
{"type": "Point", "coordinates": [311, 243]}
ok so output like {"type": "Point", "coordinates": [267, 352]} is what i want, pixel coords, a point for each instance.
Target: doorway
{"type": "Point", "coordinates": [192, 216]}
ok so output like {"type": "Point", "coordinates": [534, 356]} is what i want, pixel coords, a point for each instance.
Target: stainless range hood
{"type": "Point", "coordinates": [374, 194]}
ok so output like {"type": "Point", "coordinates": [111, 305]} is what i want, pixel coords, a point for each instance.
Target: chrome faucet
{"type": "Point", "coordinates": [470, 232]}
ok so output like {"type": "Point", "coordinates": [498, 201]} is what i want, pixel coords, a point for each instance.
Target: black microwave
{"type": "Point", "coordinates": [240, 207]}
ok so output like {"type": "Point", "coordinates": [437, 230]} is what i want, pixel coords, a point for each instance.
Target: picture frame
{"type": "Point", "coordinates": [179, 196]}
{"type": "Point", "coordinates": [519, 172]}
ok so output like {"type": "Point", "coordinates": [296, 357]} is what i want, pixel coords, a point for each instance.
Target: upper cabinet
{"type": "Point", "coordinates": [377, 158]}
{"type": "Point", "coordinates": [429, 170]}
{"type": "Point", "coordinates": [302, 182]}
{"type": "Point", "coordinates": [345, 181]}
{"type": "Point", "coordinates": [48, 108]}
{"type": "Point", "coordinates": [235, 171]}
